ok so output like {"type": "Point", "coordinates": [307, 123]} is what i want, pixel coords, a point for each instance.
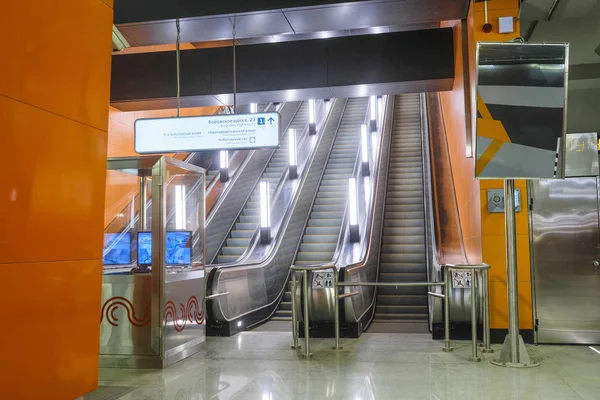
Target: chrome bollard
{"type": "Point", "coordinates": [295, 335]}
{"type": "Point", "coordinates": [487, 345]}
{"type": "Point", "coordinates": [447, 291]}
{"type": "Point", "coordinates": [336, 311]}
{"type": "Point", "coordinates": [305, 293]}
{"type": "Point", "coordinates": [474, 348]}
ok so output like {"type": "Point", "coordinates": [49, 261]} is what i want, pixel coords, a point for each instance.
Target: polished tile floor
{"type": "Point", "coordinates": [260, 365]}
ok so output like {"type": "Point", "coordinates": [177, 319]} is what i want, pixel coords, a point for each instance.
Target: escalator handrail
{"type": "Point", "coordinates": [432, 256]}
{"type": "Point", "coordinates": [286, 218]}
{"type": "Point", "coordinates": [224, 241]}
{"type": "Point", "coordinates": [284, 177]}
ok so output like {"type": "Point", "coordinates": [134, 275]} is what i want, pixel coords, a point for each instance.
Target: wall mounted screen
{"type": "Point", "coordinates": [117, 249]}
{"type": "Point", "coordinates": [212, 132]}
{"type": "Point", "coordinates": [178, 248]}
{"type": "Point", "coordinates": [144, 248]}
{"type": "Point", "coordinates": [521, 110]}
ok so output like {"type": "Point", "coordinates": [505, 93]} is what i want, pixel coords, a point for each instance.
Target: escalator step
{"type": "Point", "coordinates": [403, 249]}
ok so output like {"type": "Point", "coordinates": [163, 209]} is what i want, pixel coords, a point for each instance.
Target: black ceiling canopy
{"type": "Point", "coordinates": [336, 67]}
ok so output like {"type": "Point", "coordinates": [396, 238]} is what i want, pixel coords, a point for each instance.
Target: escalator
{"type": "Point", "coordinates": [397, 219]}
{"type": "Point", "coordinates": [392, 247]}
{"type": "Point", "coordinates": [245, 227]}
{"type": "Point", "coordinates": [323, 228]}
{"type": "Point", "coordinates": [403, 250]}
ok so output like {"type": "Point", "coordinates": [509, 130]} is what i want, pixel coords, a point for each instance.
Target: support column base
{"type": "Point", "coordinates": [524, 360]}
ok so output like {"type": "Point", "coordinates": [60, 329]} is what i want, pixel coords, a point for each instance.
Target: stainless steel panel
{"type": "Point", "coordinates": [374, 14]}
{"type": "Point", "coordinates": [565, 240]}
{"type": "Point", "coordinates": [125, 324]}
{"type": "Point", "coordinates": [192, 30]}
{"type": "Point", "coordinates": [378, 15]}
{"type": "Point", "coordinates": [184, 311]}
{"type": "Point", "coordinates": [257, 24]}
{"type": "Point", "coordinates": [582, 154]}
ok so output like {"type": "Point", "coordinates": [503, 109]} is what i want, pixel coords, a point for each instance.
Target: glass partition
{"type": "Point", "coordinates": [153, 284]}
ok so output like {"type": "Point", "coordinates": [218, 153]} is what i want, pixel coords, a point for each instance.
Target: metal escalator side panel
{"type": "Point", "coordinates": [255, 291]}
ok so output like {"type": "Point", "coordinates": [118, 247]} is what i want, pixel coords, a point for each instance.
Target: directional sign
{"type": "Point", "coordinates": [213, 132]}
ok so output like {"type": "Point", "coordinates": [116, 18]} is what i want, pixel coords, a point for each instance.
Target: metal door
{"type": "Point", "coordinates": [564, 252]}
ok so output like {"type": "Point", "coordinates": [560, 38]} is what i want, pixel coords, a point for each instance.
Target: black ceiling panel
{"type": "Point", "coordinates": [401, 57]}
{"type": "Point", "coordinates": [293, 65]}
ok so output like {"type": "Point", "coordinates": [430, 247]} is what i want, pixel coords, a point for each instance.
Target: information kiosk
{"type": "Point", "coordinates": [153, 284]}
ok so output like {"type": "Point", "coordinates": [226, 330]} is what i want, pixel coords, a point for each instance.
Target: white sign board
{"type": "Point", "coordinates": [323, 279]}
{"type": "Point", "coordinates": [212, 132]}
{"type": "Point", "coordinates": [461, 279]}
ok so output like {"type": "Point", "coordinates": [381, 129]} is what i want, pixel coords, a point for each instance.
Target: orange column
{"type": "Point", "coordinates": [492, 224]}
{"type": "Point", "coordinates": [483, 232]}
{"type": "Point", "coordinates": [54, 94]}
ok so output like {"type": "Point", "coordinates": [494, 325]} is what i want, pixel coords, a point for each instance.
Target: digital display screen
{"type": "Point", "coordinates": [144, 248]}
{"type": "Point", "coordinates": [178, 248]}
{"type": "Point", "coordinates": [117, 249]}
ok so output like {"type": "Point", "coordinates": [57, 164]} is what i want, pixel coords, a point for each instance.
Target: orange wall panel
{"type": "Point", "coordinates": [55, 187]}
{"type": "Point", "coordinates": [496, 9]}
{"type": "Point", "coordinates": [57, 57]}
{"type": "Point", "coordinates": [54, 94]}
{"type": "Point", "coordinates": [50, 329]}
{"type": "Point", "coordinates": [498, 309]}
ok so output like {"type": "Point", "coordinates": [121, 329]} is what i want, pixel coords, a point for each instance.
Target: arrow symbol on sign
{"type": "Point", "coordinates": [271, 120]}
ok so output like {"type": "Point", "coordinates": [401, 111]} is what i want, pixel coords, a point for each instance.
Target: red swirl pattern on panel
{"type": "Point", "coordinates": [190, 312]}
{"type": "Point", "coordinates": [111, 305]}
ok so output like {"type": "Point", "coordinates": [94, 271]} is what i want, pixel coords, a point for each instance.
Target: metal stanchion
{"type": "Point", "coordinates": [336, 308]}
{"type": "Point", "coordinates": [305, 293]}
{"type": "Point", "coordinates": [487, 345]}
{"type": "Point", "coordinates": [296, 345]}
{"type": "Point", "coordinates": [447, 291]}
{"type": "Point", "coordinates": [142, 205]}
{"type": "Point", "coordinates": [514, 353]}
{"type": "Point", "coordinates": [474, 348]}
